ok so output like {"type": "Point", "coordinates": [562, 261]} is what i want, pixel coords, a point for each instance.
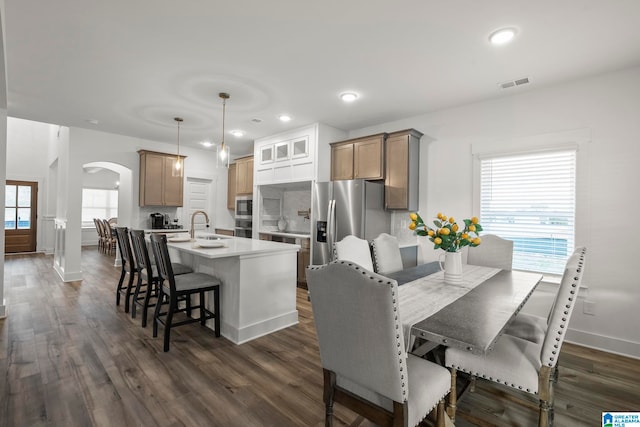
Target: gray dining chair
{"type": "Point", "coordinates": [352, 248]}
{"type": "Point", "coordinates": [521, 364]}
{"type": "Point", "coordinates": [386, 254]}
{"type": "Point", "coordinates": [530, 326]}
{"type": "Point", "coordinates": [494, 251]}
{"type": "Point", "coordinates": [364, 362]}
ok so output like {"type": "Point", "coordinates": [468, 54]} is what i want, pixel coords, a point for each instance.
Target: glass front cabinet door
{"type": "Point", "coordinates": [266, 154]}
{"type": "Point", "coordinates": [282, 151]}
{"type": "Point", "coordinates": [300, 147]}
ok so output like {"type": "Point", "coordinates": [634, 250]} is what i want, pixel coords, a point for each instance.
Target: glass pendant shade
{"type": "Point", "coordinates": [177, 169]}
{"type": "Point", "coordinates": [222, 150]}
{"type": "Point", "coordinates": [222, 156]}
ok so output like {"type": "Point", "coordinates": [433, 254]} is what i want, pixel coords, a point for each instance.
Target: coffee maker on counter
{"type": "Point", "coordinates": [157, 221]}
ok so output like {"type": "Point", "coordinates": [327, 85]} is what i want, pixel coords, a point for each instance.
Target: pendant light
{"type": "Point", "coordinates": [222, 151]}
{"type": "Point", "coordinates": [178, 164]}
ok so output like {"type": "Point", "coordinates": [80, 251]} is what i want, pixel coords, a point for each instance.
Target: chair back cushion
{"type": "Point", "coordinates": [494, 251]}
{"type": "Point", "coordinates": [359, 331]}
{"type": "Point", "coordinates": [386, 254]}
{"type": "Point", "coordinates": [352, 248]}
{"type": "Point", "coordinates": [563, 307]}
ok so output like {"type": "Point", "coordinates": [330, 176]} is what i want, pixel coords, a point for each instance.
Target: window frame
{"type": "Point", "coordinates": [90, 224]}
{"type": "Point", "coordinates": [577, 140]}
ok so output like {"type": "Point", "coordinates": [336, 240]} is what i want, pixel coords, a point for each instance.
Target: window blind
{"type": "Point", "coordinates": [530, 199]}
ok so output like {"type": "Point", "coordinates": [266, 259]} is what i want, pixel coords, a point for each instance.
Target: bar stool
{"type": "Point", "coordinates": [175, 286]}
{"type": "Point", "coordinates": [128, 267]}
{"type": "Point", "coordinates": [148, 277]}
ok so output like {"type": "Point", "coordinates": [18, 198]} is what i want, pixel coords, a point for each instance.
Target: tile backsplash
{"type": "Point", "coordinates": [293, 203]}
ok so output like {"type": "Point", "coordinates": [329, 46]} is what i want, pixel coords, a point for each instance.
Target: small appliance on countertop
{"type": "Point", "coordinates": [160, 221]}
{"type": "Point", "coordinates": [156, 221]}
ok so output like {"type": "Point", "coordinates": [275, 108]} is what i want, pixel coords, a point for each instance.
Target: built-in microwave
{"type": "Point", "coordinates": [244, 206]}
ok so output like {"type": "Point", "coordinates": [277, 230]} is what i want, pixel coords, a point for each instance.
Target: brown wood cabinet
{"type": "Point", "coordinates": [360, 158]}
{"type": "Point", "coordinates": [157, 185]}
{"type": "Point", "coordinates": [244, 175]}
{"type": "Point", "coordinates": [402, 158]}
{"type": "Point", "coordinates": [225, 232]}
{"type": "Point", "coordinates": [231, 187]}
{"type": "Point", "coordinates": [304, 259]}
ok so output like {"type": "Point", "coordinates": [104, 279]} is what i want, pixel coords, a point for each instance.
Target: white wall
{"type": "Point", "coordinates": [608, 106]}
{"type": "Point", "coordinates": [27, 155]}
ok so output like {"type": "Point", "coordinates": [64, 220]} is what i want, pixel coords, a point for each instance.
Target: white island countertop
{"type": "Point", "coordinates": [258, 291]}
{"type": "Point", "coordinates": [230, 246]}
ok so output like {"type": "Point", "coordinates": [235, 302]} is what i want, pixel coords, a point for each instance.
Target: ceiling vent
{"type": "Point", "coordinates": [514, 83]}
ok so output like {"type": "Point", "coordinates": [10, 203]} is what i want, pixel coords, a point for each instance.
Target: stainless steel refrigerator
{"type": "Point", "coordinates": [340, 208]}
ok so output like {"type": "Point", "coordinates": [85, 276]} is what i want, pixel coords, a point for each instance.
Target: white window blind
{"type": "Point", "coordinates": [98, 203]}
{"type": "Point", "coordinates": [531, 199]}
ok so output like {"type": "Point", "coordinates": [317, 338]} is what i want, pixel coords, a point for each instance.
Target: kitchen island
{"type": "Point", "coordinates": [258, 292]}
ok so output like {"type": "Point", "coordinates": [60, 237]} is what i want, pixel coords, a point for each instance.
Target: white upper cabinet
{"type": "Point", "coordinates": [302, 154]}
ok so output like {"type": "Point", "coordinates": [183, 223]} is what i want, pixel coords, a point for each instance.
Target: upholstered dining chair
{"type": "Point", "coordinates": [494, 252]}
{"type": "Point", "coordinates": [110, 237]}
{"type": "Point", "coordinates": [386, 254]}
{"type": "Point", "coordinates": [148, 278]}
{"type": "Point", "coordinates": [98, 224]}
{"type": "Point", "coordinates": [175, 287]}
{"type": "Point", "coordinates": [128, 267]}
{"type": "Point", "coordinates": [522, 364]}
{"type": "Point", "coordinates": [531, 327]}
{"type": "Point", "coordinates": [364, 362]}
{"type": "Point", "coordinates": [352, 248]}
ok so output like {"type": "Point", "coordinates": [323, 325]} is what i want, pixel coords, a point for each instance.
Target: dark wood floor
{"type": "Point", "coordinates": [72, 358]}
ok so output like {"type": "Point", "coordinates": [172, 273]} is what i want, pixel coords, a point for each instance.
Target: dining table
{"type": "Point", "coordinates": [471, 315]}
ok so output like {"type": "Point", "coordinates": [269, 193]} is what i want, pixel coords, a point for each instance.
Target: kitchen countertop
{"type": "Point", "coordinates": [235, 246]}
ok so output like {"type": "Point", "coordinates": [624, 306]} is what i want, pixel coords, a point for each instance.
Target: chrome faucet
{"type": "Point", "coordinates": [192, 231]}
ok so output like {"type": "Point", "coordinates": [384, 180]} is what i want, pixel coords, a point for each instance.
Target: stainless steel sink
{"type": "Point", "coordinates": [212, 237]}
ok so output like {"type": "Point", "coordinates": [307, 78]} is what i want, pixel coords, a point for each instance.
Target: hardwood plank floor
{"type": "Point", "coordinates": [72, 358]}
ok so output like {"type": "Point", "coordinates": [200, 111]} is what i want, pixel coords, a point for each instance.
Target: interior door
{"type": "Point", "coordinates": [198, 198]}
{"type": "Point", "coordinates": [20, 216]}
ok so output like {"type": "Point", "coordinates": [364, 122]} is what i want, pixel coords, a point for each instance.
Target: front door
{"type": "Point", "coordinates": [20, 208]}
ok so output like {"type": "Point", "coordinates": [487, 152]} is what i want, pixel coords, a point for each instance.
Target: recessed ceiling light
{"type": "Point", "coordinates": [348, 96]}
{"type": "Point", "coordinates": [502, 36]}
{"type": "Point", "coordinates": [284, 117]}
{"type": "Point", "coordinates": [206, 144]}
{"type": "Point", "coordinates": [92, 121]}
{"type": "Point", "coordinates": [238, 133]}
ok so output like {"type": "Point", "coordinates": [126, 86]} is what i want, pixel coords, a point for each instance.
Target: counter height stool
{"type": "Point", "coordinates": [148, 278]}
{"type": "Point", "coordinates": [128, 267]}
{"type": "Point", "coordinates": [175, 286]}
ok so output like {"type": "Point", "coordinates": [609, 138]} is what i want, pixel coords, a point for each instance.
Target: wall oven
{"type": "Point", "coordinates": [244, 206]}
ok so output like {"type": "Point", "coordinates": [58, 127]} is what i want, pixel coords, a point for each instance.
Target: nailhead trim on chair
{"type": "Point", "coordinates": [401, 355]}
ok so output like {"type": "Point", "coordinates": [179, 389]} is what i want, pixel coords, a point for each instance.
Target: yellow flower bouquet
{"type": "Point", "coordinates": [447, 234]}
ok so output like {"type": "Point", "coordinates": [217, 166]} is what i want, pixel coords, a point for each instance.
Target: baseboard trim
{"type": "Point", "coordinates": [68, 277]}
{"type": "Point", "coordinates": [604, 343]}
